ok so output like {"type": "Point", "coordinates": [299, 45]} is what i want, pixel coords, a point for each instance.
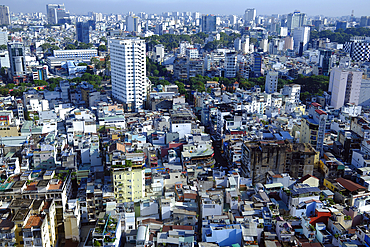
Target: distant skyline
{"type": "Point", "coordinates": [330, 8]}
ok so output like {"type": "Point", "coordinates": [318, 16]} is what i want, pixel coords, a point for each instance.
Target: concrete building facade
{"type": "Point", "coordinates": [345, 86]}
{"type": "Point", "coordinates": [129, 84]}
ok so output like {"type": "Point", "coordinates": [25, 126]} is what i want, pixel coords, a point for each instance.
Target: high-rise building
{"type": "Point", "coordinates": [301, 35]}
{"type": "Point", "coordinates": [56, 13]}
{"type": "Point", "coordinates": [209, 23]}
{"type": "Point", "coordinates": [83, 32]}
{"type": "Point", "coordinates": [296, 19]}
{"type": "Point", "coordinates": [159, 53]}
{"type": "Point", "coordinates": [3, 37]}
{"type": "Point", "coordinates": [98, 17]}
{"type": "Point", "coordinates": [313, 127]}
{"type": "Point", "coordinates": [231, 59]}
{"type": "Point", "coordinates": [271, 81]}
{"type": "Point", "coordinates": [317, 24]}
{"type": "Point", "coordinates": [4, 15]}
{"type": "Point", "coordinates": [264, 45]}
{"type": "Point", "coordinates": [259, 157]}
{"type": "Point", "coordinates": [288, 43]}
{"type": "Point", "coordinates": [325, 61]}
{"type": "Point", "coordinates": [238, 44]}
{"type": "Point", "coordinates": [17, 59]}
{"type": "Point", "coordinates": [345, 86]}
{"type": "Point", "coordinates": [364, 99]}
{"type": "Point", "coordinates": [233, 19]}
{"type": "Point", "coordinates": [359, 48]}
{"type": "Point", "coordinates": [283, 32]}
{"type": "Point", "coordinates": [341, 25]}
{"type": "Point", "coordinates": [245, 44]}
{"type": "Point", "coordinates": [128, 68]}
{"type": "Point", "coordinates": [250, 16]}
{"type": "Point", "coordinates": [365, 21]}
{"type": "Point", "coordinates": [133, 24]}
{"type": "Point", "coordinates": [257, 64]}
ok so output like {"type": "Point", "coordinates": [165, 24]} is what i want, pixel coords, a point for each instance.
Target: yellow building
{"type": "Point", "coordinates": [21, 209]}
{"type": "Point", "coordinates": [32, 214]}
{"type": "Point", "coordinates": [10, 130]}
{"type": "Point", "coordinates": [301, 108]}
{"type": "Point", "coordinates": [128, 176]}
{"type": "Point", "coordinates": [332, 185]}
{"type": "Point", "coordinates": [129, 183]}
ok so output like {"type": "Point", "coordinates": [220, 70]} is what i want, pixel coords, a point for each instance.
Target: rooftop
{"type": "Point", "coordinates": [349, 185]}
{"type": "Point", "coordinates": [34, 221]}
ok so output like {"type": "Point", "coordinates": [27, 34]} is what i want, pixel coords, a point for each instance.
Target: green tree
{"type": "Point", "coordinates": [4, 91]}
{"type": "Point", "coordinates": [40, 83]}
{"type": "Point", "coordinates": [53, 83]}
{"type": "Point", "coordinates": [82, 64]}
{"type": "Point", "coordinates": [3, 47]}
{"type": "Point", "coordinates": [45, 47]}
{"type": "Point", "coordinates": [82, 45]}
{"type": "Point", "coordinates": [70, 47]}
{"type": "Point", "coordinates": [102, 48]}
{"type": "Point", "coordinates": [54, 47]}
{"type": "Point", "coordinates": [16, 93]}
{"type": "Point", "coordinates": [181, 87]}
{"type": "Point", "coordinates": [104, 39]}
{"type": "Point", "coordinates": [10, 85]}
{"type": "Point", "coordinates": [2, 71]}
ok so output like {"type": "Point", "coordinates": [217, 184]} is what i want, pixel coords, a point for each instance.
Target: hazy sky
{"type": "Point", "coordinates": [310, 7]}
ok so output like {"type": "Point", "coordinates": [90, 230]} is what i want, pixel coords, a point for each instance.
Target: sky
{"type": "Point", "coordinates": [330, 8]}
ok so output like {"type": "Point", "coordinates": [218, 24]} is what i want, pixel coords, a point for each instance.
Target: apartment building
{"type": "Point", "coordinates": [33, 185]}
{"type": "Point", "coordinates": [36, 231]}
{"type": "Point", "coordinates": [313, 127]}
{"type": "Point", "coordinates": [72, 220]}
{"type": "Point", "coordinates": [260, 157]}
{"type": "Point", "coordinates": [129, 84]}
{"type": "Point", "coordinates": [128, 177]}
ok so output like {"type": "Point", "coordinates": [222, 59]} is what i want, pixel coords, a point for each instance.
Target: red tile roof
{"type": "Point", "coordinates": [320, 112]}
{"type": "Point", "coordinates": [169, 228]}
{"type": "Point", "coordinates": [190, 196]}
{"type": "Point", "coordinates": [316, 104]}
{"type": "Point", "coordinates": [32, 186]}
{"type": "Point", "coordinates": [57, 186]}
{"type": "Point", "coordinates": [277, 176]}
{"type": "Point", "coordinates": [349, 185]}
{"type": "Point", "coordinates": [33, 221]}
{"type": "Point", "coordinates": [150, 220]}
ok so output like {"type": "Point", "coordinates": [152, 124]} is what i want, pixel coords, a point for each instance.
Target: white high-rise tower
{"type": "Point", "coordinates": [271, 81]}
{"type": "Point", "coordinates": [128, 65]}
{"type": "Point", "coordinates": [250, 16]}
